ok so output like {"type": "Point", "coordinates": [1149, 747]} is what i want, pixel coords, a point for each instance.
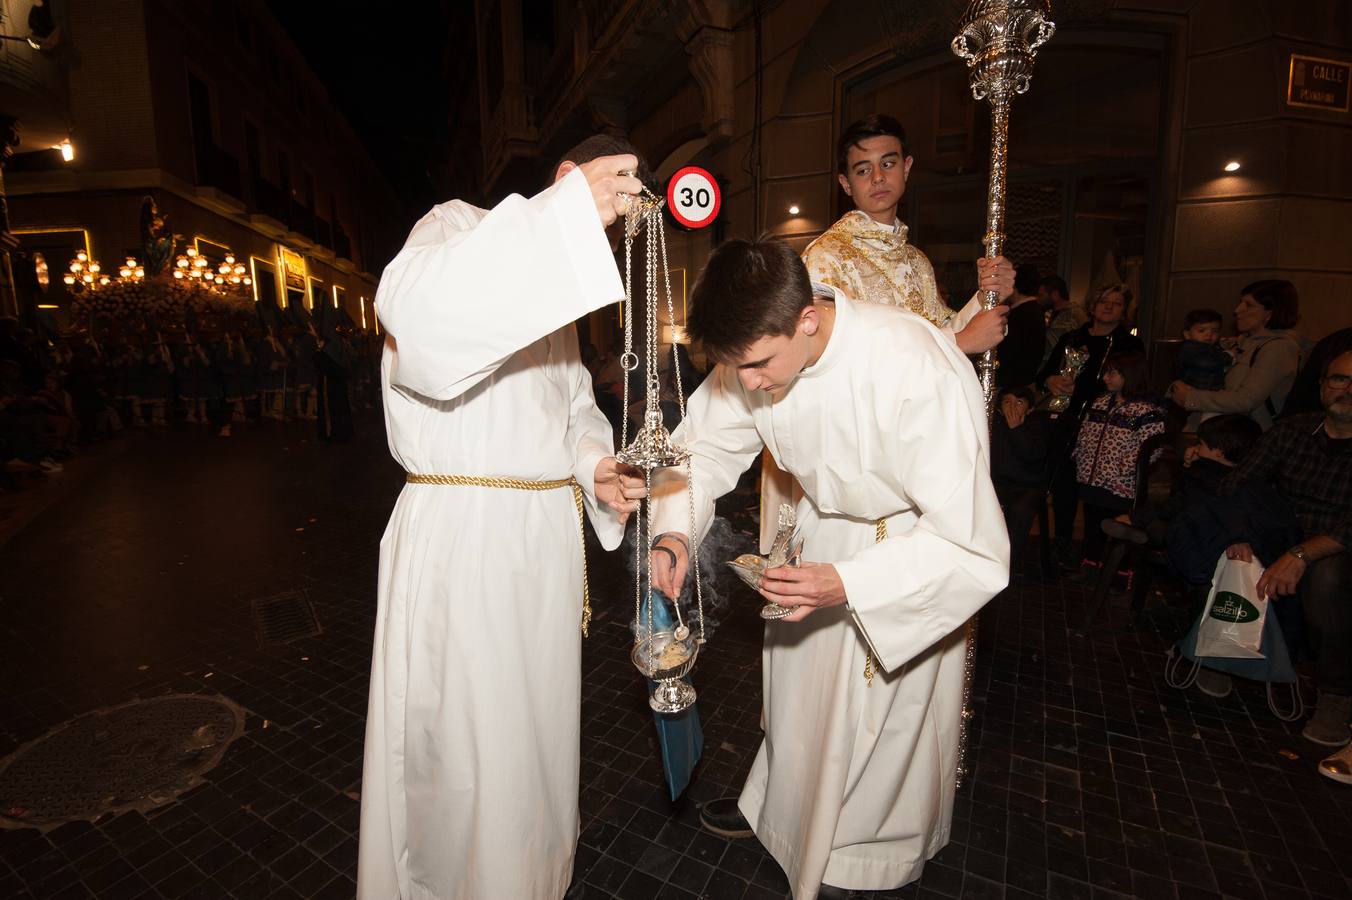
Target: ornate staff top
{"type": "Point", "coordinates": [999, 39]}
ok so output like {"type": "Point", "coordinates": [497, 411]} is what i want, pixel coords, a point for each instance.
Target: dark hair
{"type": "Point", "coordinates": [1332, 358]}
{"type": "Point", "coordinates": [1026, 279]}
{"type": "Point", "coordinates": [748, 290]}
{"type": "Point", "coordinates": [1022, 392]}
{"type": "Point", "coordinates": [599, 145]}
{"type": "Point", "coordinates": [1233, 434]}
{"type": "Point", "coordinates": [1278, 297]}
{"type": "Point", "coordinates": [1135, 375]}
{"type": "Point", "coordinates": [876, 125]}
{"type": "Point", "coordinates": [1201, 317]}
{"type": "Point", "coordinates": [1056, 284]}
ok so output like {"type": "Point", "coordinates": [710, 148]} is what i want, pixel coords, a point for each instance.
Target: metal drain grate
{"type": "Point", "coordinates": [139, 755]}
{"type": "Point", "coordinates": [285, 617]}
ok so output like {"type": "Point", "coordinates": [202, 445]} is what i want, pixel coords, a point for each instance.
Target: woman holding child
{"type": "Point", "coordinates": [1267, 355]}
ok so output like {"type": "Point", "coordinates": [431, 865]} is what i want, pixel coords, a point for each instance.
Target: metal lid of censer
{"type": "Point", "coordinates": [652, 447]}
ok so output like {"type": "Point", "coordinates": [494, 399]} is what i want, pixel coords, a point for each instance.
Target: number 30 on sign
{"type": "Point", "coordinates": [693, 197]}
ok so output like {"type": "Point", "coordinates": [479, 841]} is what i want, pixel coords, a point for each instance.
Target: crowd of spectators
{"type": "Point", "coordinates": [1262, 424]}
{"type": "Point", "coordinates": [61, 392]}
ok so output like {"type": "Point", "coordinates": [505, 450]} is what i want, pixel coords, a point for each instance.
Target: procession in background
{"type": "Point", "coordinates": [173, 335]}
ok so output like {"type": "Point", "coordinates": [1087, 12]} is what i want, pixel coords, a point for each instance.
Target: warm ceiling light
{"type": "Point", "coordinates": [1232, 166]}
{"type": "Point", "coordinates": [67, 150]}
{"type": "Point", "coordinates": [793, 210]}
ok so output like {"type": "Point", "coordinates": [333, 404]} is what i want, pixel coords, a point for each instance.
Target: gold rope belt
{"type": "Point", "coordinates": [518, 484]}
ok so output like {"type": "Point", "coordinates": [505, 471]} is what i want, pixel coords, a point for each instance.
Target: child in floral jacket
{"type": "Point", "coordinates": [1115, 426]}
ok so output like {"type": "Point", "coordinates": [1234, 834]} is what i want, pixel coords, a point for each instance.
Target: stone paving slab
{"type": "Point", "coordinates": [1092, 778]}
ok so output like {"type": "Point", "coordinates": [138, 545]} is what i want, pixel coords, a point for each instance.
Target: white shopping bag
{"type": "Point", "coordinates": [1232, 623]}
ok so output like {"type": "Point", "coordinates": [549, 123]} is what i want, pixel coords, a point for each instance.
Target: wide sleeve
{"type": "Point", "coordinates": [464, 295]}
{"type": "Point", "coordinates": [720, 433]}
{"type": "Point", "coordinates": [591, 440]}
{"type": "Point", "coordinates": [963, 317]}
{"type": "Point", "coordinates": [916, 587]}
{"type": "Point", "coordinates": [1276, 363]}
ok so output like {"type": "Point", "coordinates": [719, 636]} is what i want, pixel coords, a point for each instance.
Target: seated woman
{"type": "Point", "coordinates": [1267, 356]}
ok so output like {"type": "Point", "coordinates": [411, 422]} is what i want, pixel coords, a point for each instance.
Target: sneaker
{"type": "Point", "coordinates": [1338, 766]}
{"type": "Point", "coordinates": [1328, 726]}
{"type": "Point", "coordinates": [724, 819]}
{"type": "Point", "coordinates": [1213, 683]}
{"type": "Point", "coordinates": [51, 466]}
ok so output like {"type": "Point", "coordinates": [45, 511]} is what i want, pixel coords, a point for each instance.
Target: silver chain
{"type": "Point", "coordinates": [656, 247]}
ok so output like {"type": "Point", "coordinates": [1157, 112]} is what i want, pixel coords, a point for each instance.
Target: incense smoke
{"type": "Point", "coordinates": [719, 546]}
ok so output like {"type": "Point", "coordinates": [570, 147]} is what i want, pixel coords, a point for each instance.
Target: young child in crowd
{"type": "Point", "coordinates": [1222, 444]}
{"type": "Point", "coordinates": [1116, 425]}
{"type": "Point", "coordinates": [1201, 362]}
{"type": "Point", "coordinates": [1021, 437]}
{"type": "Point", "coordinates": [1201, 520]}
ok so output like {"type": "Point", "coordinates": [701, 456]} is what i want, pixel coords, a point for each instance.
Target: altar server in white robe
{"type": "Point", "coordinates": [880, 418]}
{"type": "Point", "coordinates": [470, 781]}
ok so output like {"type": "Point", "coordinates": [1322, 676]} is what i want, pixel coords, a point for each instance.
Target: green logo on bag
{"type": "Point", "coordinates": [1233, 608]}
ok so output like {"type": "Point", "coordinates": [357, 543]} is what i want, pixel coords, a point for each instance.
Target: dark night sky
{"type": "Point", "coordinates": [391, 69]}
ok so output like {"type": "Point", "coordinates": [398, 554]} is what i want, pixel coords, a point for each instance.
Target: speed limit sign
{"type": "Point", "coordinates": [693, 197]}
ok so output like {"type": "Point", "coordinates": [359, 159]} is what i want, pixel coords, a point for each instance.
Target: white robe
{"type": "Point", "coordinates": [470, 781]}
{"type": "Point", "coordinates": [870, 263]}
{"type": "Point", "coordinates": [853, 785]}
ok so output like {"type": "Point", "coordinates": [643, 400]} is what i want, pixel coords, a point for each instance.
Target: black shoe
{"type": "Point", "coordinates": [576, 891]}
{"type": "Point", "coordinates": [724, 819]}
{"type": "Point", "coordinates": [831, 892]}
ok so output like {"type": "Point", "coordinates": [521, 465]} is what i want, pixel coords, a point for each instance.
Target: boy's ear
{"type": "Point", "coordinates": [809, 319]}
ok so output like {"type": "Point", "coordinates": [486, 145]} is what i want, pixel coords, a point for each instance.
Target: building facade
{"type": "Point", "coordinates": [207, 107]}
{"type": "Point", "coordinates": [1186, 147]}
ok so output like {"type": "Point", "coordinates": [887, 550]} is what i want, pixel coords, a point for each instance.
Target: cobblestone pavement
{"type": "Point", "coordinates": [1092, 778]}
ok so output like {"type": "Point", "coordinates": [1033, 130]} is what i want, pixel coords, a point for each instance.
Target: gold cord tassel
{"type": "Point", "coordinates": [869, 666]}
{"type": "Point", "coordinates": [582, 533]}
{"type": "Point", "coordinates": [518, 484]}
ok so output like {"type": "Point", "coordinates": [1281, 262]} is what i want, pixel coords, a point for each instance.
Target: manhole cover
{"type": "Point", "coordinates": [285, 617]}
{"type": "Point", "coordinates": [136, 756]}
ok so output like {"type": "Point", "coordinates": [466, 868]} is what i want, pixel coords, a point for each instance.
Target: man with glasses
{"type": "Point", "coordinates": [1308, 458]}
